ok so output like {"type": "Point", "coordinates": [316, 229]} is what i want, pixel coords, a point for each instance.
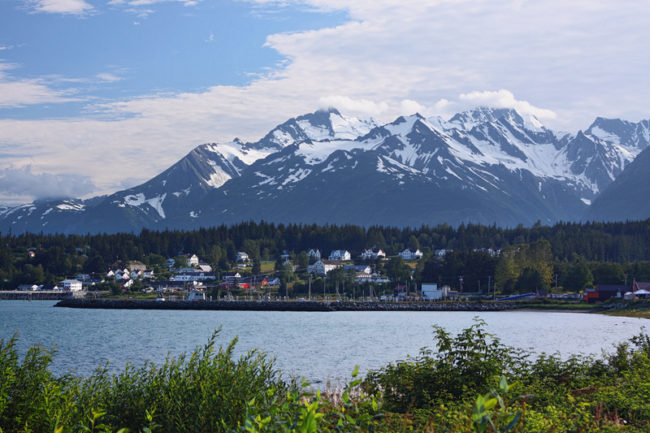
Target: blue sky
{"type": "Point", "coordinates": [100, 95]}
{"type": "Point", "coordinates": [115, 52]}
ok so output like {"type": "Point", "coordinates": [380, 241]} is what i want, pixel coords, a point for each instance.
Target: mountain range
{"type": "Point", "coordinates": [486, 165]}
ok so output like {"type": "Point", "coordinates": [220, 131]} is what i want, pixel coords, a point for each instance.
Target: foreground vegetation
{"type": "Point", "coordinates": [468, 382]}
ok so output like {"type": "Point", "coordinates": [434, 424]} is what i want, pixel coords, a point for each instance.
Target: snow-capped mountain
{"type": "Point", "coordinates": [485, 165]}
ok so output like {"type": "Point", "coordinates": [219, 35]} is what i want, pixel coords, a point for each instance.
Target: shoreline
{"type": "Point", "coordinates": [304, 306]}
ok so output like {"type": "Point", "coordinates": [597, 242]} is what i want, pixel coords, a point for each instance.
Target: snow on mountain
{"type": "Point", "coordinates": [510, 167]}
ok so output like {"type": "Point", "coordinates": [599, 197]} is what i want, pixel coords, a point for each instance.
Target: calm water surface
{"type": "Point", "coordinates": [318, 346]}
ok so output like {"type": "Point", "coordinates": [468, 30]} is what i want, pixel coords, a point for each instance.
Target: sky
{"type": "Point", "coordinates": [101, 95]}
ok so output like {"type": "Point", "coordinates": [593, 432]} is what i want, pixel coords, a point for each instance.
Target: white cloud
{"type": "Point", "coordinates": [108, 77]}
{"type": "Point", "coordinates": [73, 7]}
{"type": "Point", "coordinates": [23, 182]}
{"type": "Point", "coordinates": [362, 107]}
{"type": "Point", "coordinates": [142, 7]}
{"type": "Point", "coordinates": [22, 92]}
{"type": "Point", "coordinates": [409, 106]}
{"type": "Point", "coordinates": [505, 99]}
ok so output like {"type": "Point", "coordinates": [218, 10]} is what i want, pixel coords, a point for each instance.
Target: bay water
{"type": "Point", "coordinates": [319, 346]}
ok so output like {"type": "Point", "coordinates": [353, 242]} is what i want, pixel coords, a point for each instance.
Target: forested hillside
{"type": "Point", "coordinates": [568, 255]}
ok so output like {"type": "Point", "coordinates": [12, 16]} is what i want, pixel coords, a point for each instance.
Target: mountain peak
{"type": "Point", "coordinates": [479, 115]}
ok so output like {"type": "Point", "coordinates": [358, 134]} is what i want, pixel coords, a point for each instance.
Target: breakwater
{"type": "Point", "coordinates": [32, 295]}
{"type": "Point", "coordinates": [134, 304]}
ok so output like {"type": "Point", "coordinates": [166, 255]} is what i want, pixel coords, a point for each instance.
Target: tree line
{"type": "Point", "coordinates": [571, 256]}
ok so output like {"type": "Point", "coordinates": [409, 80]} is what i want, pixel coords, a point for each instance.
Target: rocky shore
{"type": "Point", "coordinates": [283, 305]}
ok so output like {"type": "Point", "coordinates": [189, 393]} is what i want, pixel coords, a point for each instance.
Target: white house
{"type": "Point", "coordinates": [340, 255]}
{"type": "Point", "coordinates": [71, 285]}
{"type": "Point", "coordinates": [193, 260]}
{"type": "Point", "coordinates": [135, 266]}
{"type": "Point", "coordinates": [230, 277]}
{"type": "Point", "coordinates": [205, 267]}
{"type": "Point", "coordinates": [409, 254]}
{"type": "Point", "coordinates": [314, 253]}
{"type": "Point", "coordinates": [373, 254]}
{"type": "Point", "coordinates": [430, 292]}
{"type": "Point", "coordinates": [322, 268]}
{"type": "Point", "coordinates": [242, 256]}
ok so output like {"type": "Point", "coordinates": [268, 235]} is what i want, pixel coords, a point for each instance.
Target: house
{"type": "Point", "coordinates": [28, 287]}
{"type": "Point", "coordinates": [287, 263]}
{"type": "Point", "coordinates": [71, 285]}
{"type": "Point", "coordinates": [442, 252]}
{"type": "Point", "coordinates": [205, 267]}
{"type": "Point", "coordinates": [148, 274]}
{"type": "Point", "coordinates": [603, 292]}
{"type": "Point", "coordinates": [122, 275]}
{"type": "Point", "coordinates": [83, 277]}
{"type": "Point", "coordinates": [229, 277]}
{"type": "Point", "coordinates": [314, 253]}
{"type": "Point", "coordinates": [242, 257]}
{"type": "Point", "coordinates": [110, 274]}
{"type": "Point", "coordinates": [358, 269]}
{"type": "Point", "coordinates": [340, 255]}
{"type": "Point", "coordinates": [170, 263]}
{"type": "Point", "coordinates": [409, 254]}
{"type": "Point", "coordinates": [193, 260]}
{"type": "Point", "coordinates": [193, 276]}
{"type": "Point", "coordinates": [273, 281]}
{"type": "Point", "coordinates": [638, 285]}
{"type": "Point", "coordinates": [322, 267]}
{"type": "Point", "coordinates": [489, 251]}
{"type": "Point", "coordinates": [135, 266]}
{"type": "Point", "coordinates": [373, 254]}
{"type": "Point", "coordinates": [430, 292]}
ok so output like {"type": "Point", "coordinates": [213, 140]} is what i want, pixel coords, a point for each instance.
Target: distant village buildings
{"type": "Point", "coordinates": [373, 254]}
{"type": "Point", "coordinates": [340, 255]}
{"type": "Point", "coordinates": [409, 254]}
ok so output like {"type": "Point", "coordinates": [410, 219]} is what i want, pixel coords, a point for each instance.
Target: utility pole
{"type": "Point", "coordinates": [310, 287]}
{"type": "Point", "coordinates": [460, 280]}
{"type": "Point", "coordinates": [489, 281]}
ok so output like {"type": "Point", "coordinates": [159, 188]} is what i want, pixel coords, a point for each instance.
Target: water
{"type": "Point", "coordinates": [317, 346]}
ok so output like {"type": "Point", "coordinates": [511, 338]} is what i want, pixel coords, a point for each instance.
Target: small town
{"type": "Point", "coordinates": [372, 276]}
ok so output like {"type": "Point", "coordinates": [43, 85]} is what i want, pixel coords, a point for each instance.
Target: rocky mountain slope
{"type": "Point", "coordinates": [485, 166]}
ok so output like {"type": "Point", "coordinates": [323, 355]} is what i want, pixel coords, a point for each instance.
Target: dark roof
{"type": "Point", "coordinates": [642, 285]}
{"type": "Point", "coordinates": [611, 288]}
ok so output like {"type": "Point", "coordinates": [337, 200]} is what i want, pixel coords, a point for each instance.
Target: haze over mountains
{"type": "Point", "coordinates": [482, 166]}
